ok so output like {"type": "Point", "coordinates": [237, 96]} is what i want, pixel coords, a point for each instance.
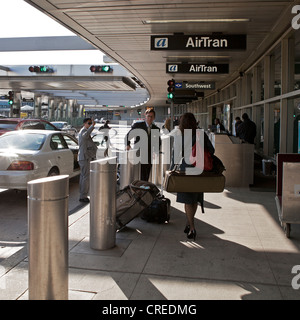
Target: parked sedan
{"type": "Point", "coordinates": [26, 155]}
{"type": "Point", "coordinates": [64, 126]}
{"type": "Point", "coordinates": [10, 124]}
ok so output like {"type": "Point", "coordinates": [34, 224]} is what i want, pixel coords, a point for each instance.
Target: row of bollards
{"type": "Point", "coordinates": [48, 225]}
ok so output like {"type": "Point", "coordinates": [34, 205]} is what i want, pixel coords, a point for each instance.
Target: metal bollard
{"type": "Point", "coordinates": [48, 238]}
{"type": "Point", "coordinates": [103, 182]}
{"type": "Point", "coordinates": [128, 170]}
{"type": "Point", "coordinates": [161, 162]}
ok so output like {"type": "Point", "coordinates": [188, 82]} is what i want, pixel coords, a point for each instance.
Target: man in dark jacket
{"type": "Point", "coordinates": [87, 152]}
{"type": "Point", "coordinates": [144, 141]}
{"type": "Point", "coordinates": [247, 129]}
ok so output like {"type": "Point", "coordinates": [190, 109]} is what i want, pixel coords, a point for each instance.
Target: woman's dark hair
{"type": "Point", "coordinates": [188, 121]}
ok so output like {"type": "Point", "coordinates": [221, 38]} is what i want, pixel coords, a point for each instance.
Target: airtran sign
{"type": "Point", "coordinates": [199, 42]}
{"type": "Point", "coordinates": [196, 68]}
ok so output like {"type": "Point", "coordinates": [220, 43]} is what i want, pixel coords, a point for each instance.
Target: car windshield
{"type": "Point", "coordinates": [8, 125]}
{"type": "Point", "coordinates": [24, 141]}
{"type": "Point", "coordinates": [59, 125]}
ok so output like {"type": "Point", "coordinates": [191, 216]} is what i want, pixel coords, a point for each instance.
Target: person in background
{"type": "Point", "coordinates": [246, 131]}
{"type": "Point", "coordinates": [218, 123]}
{"type": "Point", "coordinates": [190, 199]}
{"type": "Point", "coordinates": [87, 153]}
{"type": "Point", "coordinates": [166, 128]}
{"type": "Point", "coordinates": [146, 125]}
{"type": "Point", "coordinates": [105, 128]}
{"type": "Point", "coordinates": [238, 121]}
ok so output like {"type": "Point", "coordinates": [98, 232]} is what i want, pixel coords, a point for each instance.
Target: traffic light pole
{"type": "Point", "coordinates": [172, 114]}
{"type": "Point", "coordinates": [171, 89]}
{"type": "Point", "coordinates": [15, 106]}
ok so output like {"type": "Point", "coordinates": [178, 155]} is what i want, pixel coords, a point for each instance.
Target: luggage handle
{"type": "Point", "coordinates": [142, 189]}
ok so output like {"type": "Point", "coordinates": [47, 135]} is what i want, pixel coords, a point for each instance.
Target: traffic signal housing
{"type": "Point", "coordinates": [102, 68]}
{"type": "Point", "coordinates": [171, 89]}
{"type": "Point", "coordinates": [41, 69]}
{"type": "Point", "coordinates": [10, 98]}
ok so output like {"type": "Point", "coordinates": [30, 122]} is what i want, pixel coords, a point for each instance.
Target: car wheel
{"type": "Point", "coordinates": [53, 172]}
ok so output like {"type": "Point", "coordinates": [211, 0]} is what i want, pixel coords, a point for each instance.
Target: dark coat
{"type": "Point", "coordinates": [247, 131]}
{"type": "Point", "coordinates": [142, 125]}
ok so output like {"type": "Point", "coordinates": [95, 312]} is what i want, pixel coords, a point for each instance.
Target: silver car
{"type": "Point", "coordinates": [26, 155]}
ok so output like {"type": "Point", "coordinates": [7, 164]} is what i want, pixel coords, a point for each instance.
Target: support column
{"type": "Point", "coordinates": [238, 93]}
{"type": "Point", "coordinates": [60, 110]}
{"type": "Point", "coordinates": [287, 85]}
{"type": "Point", "coordinates": [50, 109]}
{"type": "Point", "coordinates": [246, 90]}
{"type": "Point", "coordinates": [64, 110]}
{"type": "Point", "coordinates": [269, 76]}
{"type": "Point", "coordinates": [256, 96]}
{"type": "Point", "coordinates": [37, 107]}
{"type": "Point", "coordinates": [256, 84]}
{"type": "Point", "coordinates": [80, 111]}
{"type": "Point", "coordinates": [15, 108]}
{"type": "Point", "coordinates": [70, 109]}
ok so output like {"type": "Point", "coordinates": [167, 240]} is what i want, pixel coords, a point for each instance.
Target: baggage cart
{"type": "Point", "coordinates": [288, 191]}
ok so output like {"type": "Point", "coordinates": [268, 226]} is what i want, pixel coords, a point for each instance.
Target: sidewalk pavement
{"type": "Point", "coordinates": [240, 252]}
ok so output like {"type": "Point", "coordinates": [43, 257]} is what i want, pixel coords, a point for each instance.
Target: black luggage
{"type": "Point", "coordinates": [132, 200]}
{"type": "Point", "coordinates": [158, 211]}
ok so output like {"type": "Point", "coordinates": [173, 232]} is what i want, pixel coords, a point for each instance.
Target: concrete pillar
{"type": "Point", "coordinates": [269, 79]}
{"type": "Point", "coordinates": [239, 93]}
{"type": "Point", "coordinates": [15, 108]}
{"type": "Point", "coordinates": [50, 109]}
{"type": "Point", "coordinates": [70, 109]}
{"type": "Point", "coordinates": [80, 111]}
{"type": "Point", "coordinates": [256, 84]}
{"type": "Point", "coordinates": [37, 107]}
{"type": "Point", "coordinates": [64, 110]}
{"type": "Point", "coordinates": [60, 110]}
{"type": "Point", "coordinates": [287, 85]}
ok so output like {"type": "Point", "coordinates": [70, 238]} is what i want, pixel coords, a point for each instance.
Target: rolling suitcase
{"type": "Point", "coordinates": [159, 210]}
{"type": "Point", "coordinates": [132, 200]}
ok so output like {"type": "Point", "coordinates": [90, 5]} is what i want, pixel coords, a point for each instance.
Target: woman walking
{"type": "Point", "coordinates": [190, 199]}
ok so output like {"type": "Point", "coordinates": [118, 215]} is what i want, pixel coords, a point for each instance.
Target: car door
{"type": "Point", "coordinates": [63, 156]}
{"type": "Point", "coordinates": [73, 146]}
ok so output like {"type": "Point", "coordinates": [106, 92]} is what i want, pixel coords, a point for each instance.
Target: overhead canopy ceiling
{"type": "Point", "coordinates": [123, 29]}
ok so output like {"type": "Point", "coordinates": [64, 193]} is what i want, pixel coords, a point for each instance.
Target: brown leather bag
{"type": "Point", "coordinates": [178, 181]}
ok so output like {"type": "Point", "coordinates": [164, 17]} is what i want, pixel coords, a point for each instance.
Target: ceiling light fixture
{"type": "Point", "coordinates": [204, 57]}
{"type": "Point", "coordinates": [194, 21]}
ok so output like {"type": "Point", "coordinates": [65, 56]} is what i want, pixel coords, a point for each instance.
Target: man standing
{"type": "Point", "coordinates": [87, 153]}
{"type": "Point", "coordinates": [238, 121]}
{"type": "Point", "coordinates": [147, 126]}
{"type": "Point", "coordinates": [247, 129]}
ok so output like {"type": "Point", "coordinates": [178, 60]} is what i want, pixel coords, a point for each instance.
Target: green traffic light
{"type": "Point", "coordinates": [105, 68]}
{"type": "Point", "coordinates": [170, 95]}
{"type": "Point", "coordinates": [43, 69]}
{"type": "Point", "coordinates": [10, 102]}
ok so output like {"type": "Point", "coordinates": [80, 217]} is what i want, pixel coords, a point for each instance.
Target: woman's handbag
{"type": "Point", "coordinates": [195, 158]}
{"type": "Point", "coordinates": [178, 181]}
{"type": "Point", "coordinates": [200, 157]}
